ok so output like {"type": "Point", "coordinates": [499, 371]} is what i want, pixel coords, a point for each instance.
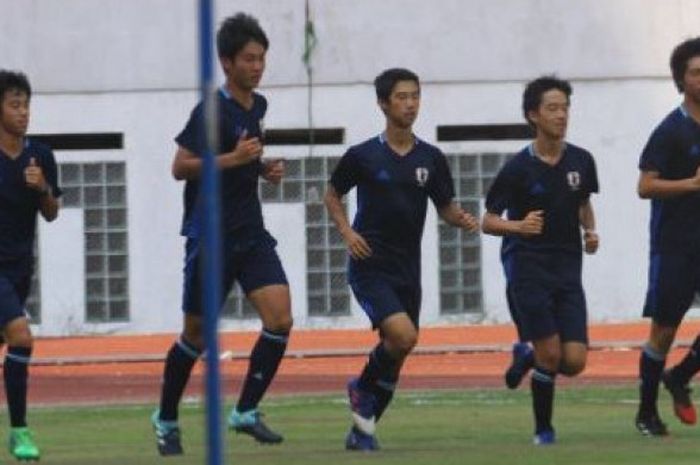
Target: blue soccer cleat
{"type": "Point", "coordinates": [523, 360]}
{"type": "Point", "coordinates": [251, 423]}
{"type": "Point", "coordinates": [545, 438]}
{"type": "Point", "coordinates": [362, 405]}
{"type": "Point", "coordinates": [357, 440]}
{"type": "Point", "coordinates": [167, 435]}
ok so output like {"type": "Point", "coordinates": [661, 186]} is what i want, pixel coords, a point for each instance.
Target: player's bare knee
{"type": "Point", "coordinates": [286, 324]}
{"type": "Point", "coordinates": [277, 319]}
{"type": "Point", "coordinates": [661, 338]}
{"type": "Point", "coordinates": [403, 344]}
{"type": "Point", "coordinates": [18, 334]}
{"type": "Point", "coordinates": [549, 359]}
{"type": "Point", "coordinates": [281, 324]}
{"type": "Point", "coordinates": [193, 336]}
{"type": "Point", "coordinates": [21, 340]}
{"type": "Point", "coordinates": [572, 367]}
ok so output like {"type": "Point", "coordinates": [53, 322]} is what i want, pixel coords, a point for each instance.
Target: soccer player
{"type": "Point", "coordinates": [249, 255]}
{"type": "Point", "coordinates": [29, 186]}
{"type": "Point", "coordinates": [670, 176]}
{"type": "Point", "coordinates": [395, 173]}
{"type": "Point", "coordinates": [545, 191]}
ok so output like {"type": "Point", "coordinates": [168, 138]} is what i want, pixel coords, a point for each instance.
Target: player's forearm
{"type": "Point", "coordinates": [451, 214]}
{"type": "Point", "coordinates": [586, 216]}
{"type": "Point", "coordinates": [189, 168]}
{"type": "Point", "coordinates": [496, 226]}
{"type": "Point", "coordinates": [48, 206]}
{"type": "Point", "coordinates": [649, 188]}
{"type": "Point", "coordinates": [336, 211]}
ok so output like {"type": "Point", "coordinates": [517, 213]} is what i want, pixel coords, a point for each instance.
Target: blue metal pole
{"type": "Point", "coordinates": [211, 272]}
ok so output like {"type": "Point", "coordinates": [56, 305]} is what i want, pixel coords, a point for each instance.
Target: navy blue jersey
{"type": "Point", "coordinates": [19, 204]}
{"type": "Point", "coordinates": [673, 150]}
{"type": "Point", "coordinates": [526, 183]}
{"type": "Point", "coordinates": [241, 213]}
{"type": "Point", "coordinates": [392, 198]}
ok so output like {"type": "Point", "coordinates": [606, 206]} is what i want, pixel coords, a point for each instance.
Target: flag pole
{"type": "Point", "coordinates": [309, 45]}
{"type": "Point", "coordinates": [211, 263]}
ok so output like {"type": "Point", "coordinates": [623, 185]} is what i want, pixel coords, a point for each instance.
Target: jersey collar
{"type": "Point", "coordinates": [382, 139]}
{"type": "Point", "coordinates": [533, 153]}
{"type": "Point", "coordinates": [224, 91]}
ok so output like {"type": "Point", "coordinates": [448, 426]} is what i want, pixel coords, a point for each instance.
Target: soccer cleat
{"type": "Point", "coordinates": [22, 444]}
{"type": "Point", "coordinates": [167, 435]}
{"type": "Point", "coordinates": [251, 423]}
{"type": "Point", "coordinates": [521, 364]}
{"type": "Point", "coordinates": [544, 438]}
{"type": "Point", "coordinates": [362, 405]}
{"type": "Point", "coordinates": [682, 405]}
{"type": "Point", "coordinates": [357, 440]}
{"type": "Point", "coordinates": [650, 425]}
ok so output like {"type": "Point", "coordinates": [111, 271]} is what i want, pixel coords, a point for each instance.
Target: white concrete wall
{"type": "Point", "coordinates": [130, 66]}
{"type": "Point", "coordinates": [116, 45]}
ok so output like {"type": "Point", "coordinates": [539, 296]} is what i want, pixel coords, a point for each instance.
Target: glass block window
{"type": "Point", "coordinates": [326, 253]}
{"type": "Point", "coordinates": [327, 289]}
{"type": "Point", "coordinates": [460, 252]}
{"type": "Point", "coordinates": [237, 306]}
{"type": "Point", "coordinates": [100, 190]}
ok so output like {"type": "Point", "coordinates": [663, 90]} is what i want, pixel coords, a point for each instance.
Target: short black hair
{"type": "Point", "coordinates": [680, 57]}
{"type": "Point", "coordinates": [385, 82]}
{"type": "Point", "coordinates": [14, 80]}
{"type": "Point", "coordinates": [235, 33]}
{"type": "Point", "coordinates": [532, 97]}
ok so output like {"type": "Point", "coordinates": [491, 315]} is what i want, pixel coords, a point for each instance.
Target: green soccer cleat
{"type": "Point", "coordinates": [22, 444]}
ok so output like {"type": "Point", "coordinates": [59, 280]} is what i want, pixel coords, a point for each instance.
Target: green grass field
{"type": "Point", "coordinates": [485, 427]}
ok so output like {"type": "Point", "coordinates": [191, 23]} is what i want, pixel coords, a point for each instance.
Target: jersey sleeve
{"type": "Point", "coordinates": [50, 170]}
{"type": "Point", "coordinates": [347, 173]}
{"type": "Point", "coordinates": [500, 195]}
{"type": "Point", "coordinates": [192, 136]}
{"type": "Point", "coordinates": [441, 188]}
{"type": "Point", "coordinates": [591, 179]}
{"type": "Point", "coordinates": [656, 152]}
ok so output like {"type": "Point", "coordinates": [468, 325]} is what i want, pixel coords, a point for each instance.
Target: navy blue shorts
{"type": "Point", "coordinates": [514, 314]}
{"type": "Point", "coordinates": [253, 267]}
{"type": "Point", "coordinates": [546, 297]}
{"type": "Point", "coordinates": [380, 298]}
{"type": "Point", "coordinates": [15, 281]}
{"type": "Point", "coordinates": [674, 278]}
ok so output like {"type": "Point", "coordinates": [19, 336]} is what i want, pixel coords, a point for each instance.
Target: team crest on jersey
{"type": "Point", "coordinates": [422, 176]}
{"type": "Point", "coordinates": [574, 180]}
